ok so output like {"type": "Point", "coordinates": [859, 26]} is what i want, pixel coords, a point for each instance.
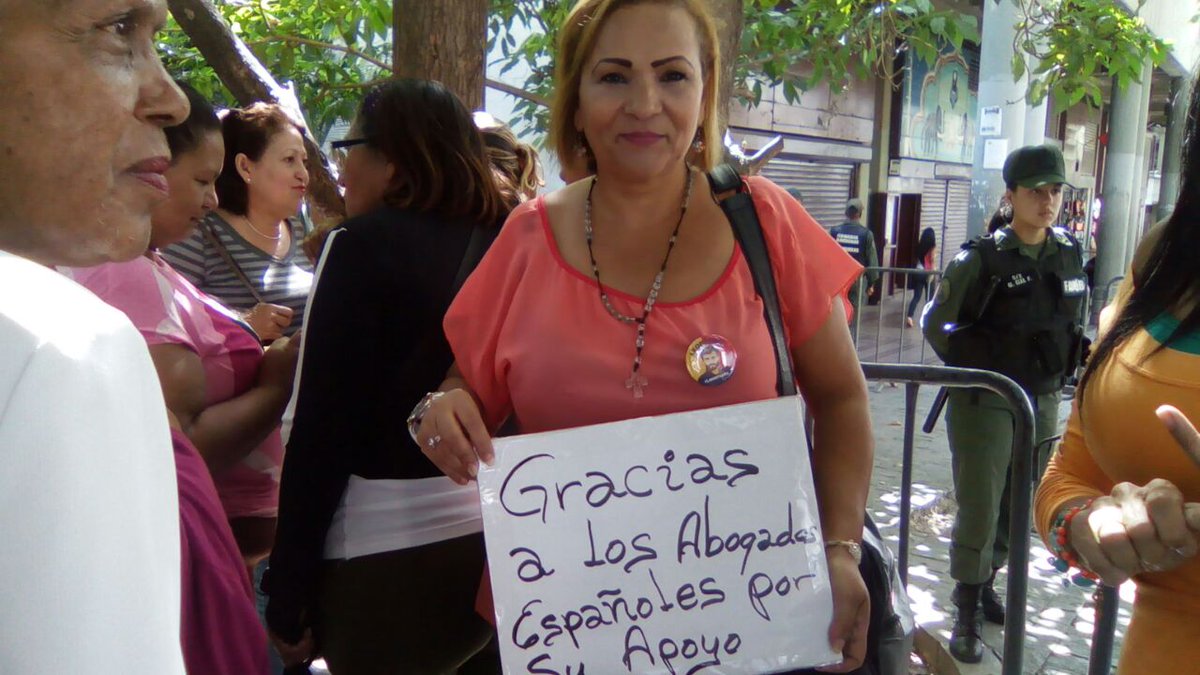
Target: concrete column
{"type": "Point", "coordinates": [1118, 190]}
{"type": "Point", "coordinates": [1173, 147]}
{"type": "Point", "coordinates": [1137, 209]}
{"type": "Point", "coordinates": [996, 89]}
{"type": "Point", "coordinates": [882, 137]}
{"type": "Point", "coordinates": [1035, 122]}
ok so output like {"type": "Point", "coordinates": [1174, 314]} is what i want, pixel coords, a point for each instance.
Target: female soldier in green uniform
{"type": "Point", "coordinates": [1009, 302]}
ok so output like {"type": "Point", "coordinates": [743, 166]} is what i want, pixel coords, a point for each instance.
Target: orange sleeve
{"type": "Point", "coordinates": [477, 319]}
{"type": "Point", "coordinates": [811, 269]}
{"type": "Point", "coordinates": [1071, 474]}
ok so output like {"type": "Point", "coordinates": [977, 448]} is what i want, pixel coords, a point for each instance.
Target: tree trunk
{"type": "Point", "coordinates": [444, 41]}
{"type": "Point", "coordinates": [730, 15]}
{"type": "Point", "coordinates": [249, 81]}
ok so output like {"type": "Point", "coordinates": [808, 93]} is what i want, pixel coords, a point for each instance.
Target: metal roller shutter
{"type": "Point", "coordinates": [933, 213]}
{"type": "Point", "coordinates": [958, 204]}
{"type": "Point", "coordinates": [1091, 147]}
{"type": "Point", "coordinates": [825, 186]}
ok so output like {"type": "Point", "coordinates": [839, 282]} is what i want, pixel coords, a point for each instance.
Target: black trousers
{"type": "Point", "coordinates": [408, 611]}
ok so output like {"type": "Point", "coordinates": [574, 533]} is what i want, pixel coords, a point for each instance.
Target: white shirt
{"type": "Point", "coordinates": [89, 513]}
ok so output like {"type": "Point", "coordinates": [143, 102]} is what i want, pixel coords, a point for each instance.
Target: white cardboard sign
{"type": "Point", "coordinates": [686, 543]}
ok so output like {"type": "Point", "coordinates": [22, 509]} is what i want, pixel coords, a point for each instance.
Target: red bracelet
{"type": "Point", "coordinates": [1061, 530]}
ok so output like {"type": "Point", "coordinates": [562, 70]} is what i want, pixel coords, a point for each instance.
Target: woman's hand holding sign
{"type": "Point", "coordinates": [1138, 529]}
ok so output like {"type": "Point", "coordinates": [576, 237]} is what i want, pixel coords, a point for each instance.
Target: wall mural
{"type": "Point", "coordinates": [939, 110]}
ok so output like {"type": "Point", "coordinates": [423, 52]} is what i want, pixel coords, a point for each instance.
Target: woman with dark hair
{"type": "Point", "coordinates": [1119, 499]}
{"type": "Point", "coordinates": [377, 552]}
{"type": "Point", "coordinates": [1002, 217]}
{"type": "Point", "coordinates": [246, 253]}
{"type": "Point", "coordinates": [925, 256]}
{"type": "Point", "coordinates": [224, 395]}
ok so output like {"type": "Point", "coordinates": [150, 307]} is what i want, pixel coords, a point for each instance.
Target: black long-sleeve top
{"type": "Point", "coordinates": [373, 346]}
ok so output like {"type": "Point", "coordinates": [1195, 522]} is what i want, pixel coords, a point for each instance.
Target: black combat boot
{"type": "Point", "coordinates": [991, 602]}
{"type": "Point", "coordinates": [966, 640]}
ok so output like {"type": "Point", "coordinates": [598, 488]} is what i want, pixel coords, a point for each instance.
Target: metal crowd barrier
{"type": "Point", "coordinates": [1021, 485]}
{"type": "Point", "coordinates": [1105, 630]}
{"type": "Point", "coordinates": [888, 326]}
{"type": "Point", "coordinates": [1106, 598]}
{"type": "Point", "coordinates": [1101, 299]}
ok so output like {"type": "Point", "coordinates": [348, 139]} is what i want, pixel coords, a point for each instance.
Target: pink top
{"type": "Point", "coordinates": [167, 309]}
{"type": "Point", "coordinates": [221, 633]}
{"type": "Point", "coordinates": [531, 336]}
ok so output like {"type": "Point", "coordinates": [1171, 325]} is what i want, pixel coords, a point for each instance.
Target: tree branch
{"type": "Point", "coordinates": [249, 81]}
{"type": "Point", "coordinates": [357, 85]}
{"type": "Point", "coordinates": [292, 39]}
{"type": "Point", "coordinates": [518, 92]}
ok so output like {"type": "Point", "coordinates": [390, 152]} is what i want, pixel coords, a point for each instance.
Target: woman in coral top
{"type": "Point", "coordinates": [1118, 499]}
{"type": "Point", "coordinates": [600, 302]}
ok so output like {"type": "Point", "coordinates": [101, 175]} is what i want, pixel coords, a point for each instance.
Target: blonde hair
{"type": "Point", "coordinates": [516, 164]}
{"type": "Point", "coordinates": [576, 41]}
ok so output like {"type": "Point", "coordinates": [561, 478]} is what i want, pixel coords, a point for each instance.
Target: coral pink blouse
{"type": "Point", "coordinates": [532, 338]}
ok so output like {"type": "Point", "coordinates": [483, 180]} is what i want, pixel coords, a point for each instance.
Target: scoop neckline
{"type": "Point", "coordinates": [548, 233]}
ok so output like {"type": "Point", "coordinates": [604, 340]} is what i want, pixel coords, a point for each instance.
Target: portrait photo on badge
{"type": "Point", "coordinates": [711, 360]}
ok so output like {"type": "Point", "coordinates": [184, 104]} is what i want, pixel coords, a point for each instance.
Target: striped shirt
{"type": "Point", "coordinates": [279, 281]}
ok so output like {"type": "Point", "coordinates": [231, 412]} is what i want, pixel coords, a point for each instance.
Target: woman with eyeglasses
{"type": "Point", "coordinates": [378, 554]}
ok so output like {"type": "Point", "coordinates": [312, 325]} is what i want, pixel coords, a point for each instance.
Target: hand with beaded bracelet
{"type": "Point", "coordinates": [1133, 530]}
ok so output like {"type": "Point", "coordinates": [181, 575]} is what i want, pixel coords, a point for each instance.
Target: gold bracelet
{"type": "Point", "coordinates": [853, 547]}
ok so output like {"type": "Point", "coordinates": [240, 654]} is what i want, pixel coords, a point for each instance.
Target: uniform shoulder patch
{"type": "Point", "coordinates": [1063, 237]}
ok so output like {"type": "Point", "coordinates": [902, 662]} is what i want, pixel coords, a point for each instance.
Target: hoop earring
{"type": "Point", "coordinates": [698, 141]}
{"type": "Point", "coordinates": [1006, 210]}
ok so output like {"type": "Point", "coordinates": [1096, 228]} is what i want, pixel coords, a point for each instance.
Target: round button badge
{"type": "Point", "coordinates": [711, 360]}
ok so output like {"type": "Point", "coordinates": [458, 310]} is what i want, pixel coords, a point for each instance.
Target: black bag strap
{"type": "Point", "coordinates": [730, 193]}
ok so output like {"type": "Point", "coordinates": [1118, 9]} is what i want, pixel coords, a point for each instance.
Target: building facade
{"type": "Point", "coordinates": [927, 151]}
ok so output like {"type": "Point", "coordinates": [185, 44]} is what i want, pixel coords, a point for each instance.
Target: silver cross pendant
{"type": "Point", "coordinates": [637, 382]}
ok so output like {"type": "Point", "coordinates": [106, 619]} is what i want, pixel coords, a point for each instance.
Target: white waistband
{"type": "Point", "coordinates": [377, 516]}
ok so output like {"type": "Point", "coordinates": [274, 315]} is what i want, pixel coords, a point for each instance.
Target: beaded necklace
{"type": "Point", "coordinates": [636, 382]}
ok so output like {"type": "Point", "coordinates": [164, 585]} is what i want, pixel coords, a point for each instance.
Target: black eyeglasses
{"type": "Point", "coordinates": [348, 143]}
{"type": "Point", "coordinates": [340, 149]}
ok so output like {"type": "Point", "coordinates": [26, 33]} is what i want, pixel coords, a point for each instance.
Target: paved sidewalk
{"type": "Point", "coordinates": [1060, 615]}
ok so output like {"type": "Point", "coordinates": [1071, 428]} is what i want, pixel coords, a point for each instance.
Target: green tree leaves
{"type": "Point", "coordinates": [1073, 41]}
{"type": "Point", "coordinates": [332, 49]}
